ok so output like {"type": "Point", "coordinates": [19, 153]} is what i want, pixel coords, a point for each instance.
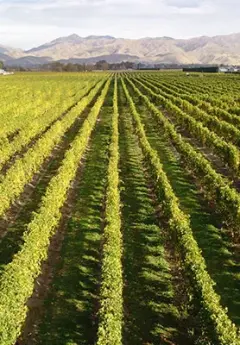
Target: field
{"type": "Point", "coordinates": [120, 209]}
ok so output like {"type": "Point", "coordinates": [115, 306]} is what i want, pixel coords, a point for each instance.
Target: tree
{"type": "Point", "coordinates": [102, 65]}
{"type": "Point", "coordinates": [56, 66]}
{"type": "Point", "coordinates": [70, 67]}
{"type": "Point", "coordinates": [1, 65]}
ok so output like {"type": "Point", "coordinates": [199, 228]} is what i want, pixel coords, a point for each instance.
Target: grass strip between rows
{"type": "Point", "coordinates": [17, 281]}
{"type": "Point", "coordinates": [214, 186]}
{"type": "Point", "coordinates": [219, 117]}
{"type": "Point", "coordinates": [111, 300]}
{"type": "Point", "coordinates": [35, 128]}
{"type": "Point", "coordinates": [221, 330]}
{"type": "Point", "coordinates": [23, 170]}
{"type": "Point", "coordinates": [227, 151]}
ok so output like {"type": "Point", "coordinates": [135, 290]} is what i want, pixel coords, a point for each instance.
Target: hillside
{"type": "Point", "coordinates": [207, 50]}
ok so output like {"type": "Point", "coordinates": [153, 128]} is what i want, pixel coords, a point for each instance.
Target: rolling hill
{"type": "Point", "coordinates": [201, 50]}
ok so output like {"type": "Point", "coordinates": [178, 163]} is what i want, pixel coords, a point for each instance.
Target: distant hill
{"type": "Point", "coordinates": [4, 57]}
{"type": "Point", "coordinates": [201, 50]}
{"type": "Point", "coordinates": [27, 61]}
{"type": "Point", "coordinates": [113, 58]}
{"type": "Point", "coordinates": [11, 52]}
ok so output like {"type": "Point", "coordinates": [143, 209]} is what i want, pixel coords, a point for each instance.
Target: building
{"type": "Point", "coordinates": [229, 69]}
{"type": "Point", "coordinates": [2, 72]}
{"type": "Point", "coordinates": [202, 69]}
{"type": "Point", "coordinates": [223, 69]}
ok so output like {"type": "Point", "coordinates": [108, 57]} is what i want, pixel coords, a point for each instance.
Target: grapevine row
{"type": "Point", "coordinates": [229, 103]}
{"type": "Point", "coordinates": [17, 281]}
{"type": "Point", "coordinates": [111, 300]}
{"type": "Point", "coordinates": [217, 114]}
{"type": "Point", "coordinates": [20, 108]}
{"type": "Point", "coordinates": [23, 170]}
{"type": "Point", "coordinates": [228, 152]}
{"type": "Point", "coordinates": [215, 187]}
{"type": "Point", "coordinates": [220, 328]}
{"type": "Point", "coordinates": [35, 128]}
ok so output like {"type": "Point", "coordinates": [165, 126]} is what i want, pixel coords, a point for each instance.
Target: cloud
{"type": "Point", "coordinates": [184, 3]}
{"type": "Point", "coordinates": [26, 23]}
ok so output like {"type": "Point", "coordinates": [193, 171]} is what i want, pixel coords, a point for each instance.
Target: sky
{"type": "Point", "coordinates": [28, 23]}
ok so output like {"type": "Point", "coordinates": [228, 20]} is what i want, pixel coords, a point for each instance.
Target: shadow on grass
{"type": "Point", "coordinates": [12, 240]}
{"type": "Point", "coordinates": [70, 309]}
{"type": "Point", "coordinates": [217, 249]}
{"type": "Point", "coordinates": [150, 316]}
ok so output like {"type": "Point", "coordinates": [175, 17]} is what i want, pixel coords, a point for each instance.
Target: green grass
{"type": "Point", "coordinates": [12, 241]}
{"type": "Point", "coordinates": [157, 310]}
{"type": "Point", "coordinates": [216, 247]}
{"type": "Point", "coordinates": [150, 313]}
{"type": "Point", "coordinates": [70, 309]}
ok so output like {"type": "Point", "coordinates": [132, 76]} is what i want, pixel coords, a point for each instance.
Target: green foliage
{"type": "Point", "coordinates": [23, 170]}
{"type": "Point", "coordinates": [111, 300]}
{"type": "Point", "coordinates": [39, 116]}
{"type": "Point", "coordinates": [216, 110]}
{"type": "Point", "coordinates": [60, 103]}
{"type": "Point", "coordinates": [220, 329]}
{"type": "Point", "coordinates": [214, 185]}
{"type": "Point", "coordinates": [17, 280]}
{"type": "Point", "coordinates": [228, 152]}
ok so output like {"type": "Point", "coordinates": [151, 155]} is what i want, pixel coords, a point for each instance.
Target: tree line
{"type": "Point", "coordinates": [58, 66]}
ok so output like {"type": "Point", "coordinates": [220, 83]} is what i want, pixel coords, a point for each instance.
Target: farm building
{"type": "Point", "coordinates": [2, 72]}
{"type": "Point", "coordinates": [202, 69]}
{"type": "Point", "coordinates": [229, 69]}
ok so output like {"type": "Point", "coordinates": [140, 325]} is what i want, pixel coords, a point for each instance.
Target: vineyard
{"type": "Point", "coordinates": [120, 209]}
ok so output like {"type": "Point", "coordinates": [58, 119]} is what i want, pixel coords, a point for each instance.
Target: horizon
{"type": "Point", "coordinates": [27, 23]}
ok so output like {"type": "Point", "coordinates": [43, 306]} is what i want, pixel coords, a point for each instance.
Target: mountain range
{"type": "Point", "coordinates": [223, 49]}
